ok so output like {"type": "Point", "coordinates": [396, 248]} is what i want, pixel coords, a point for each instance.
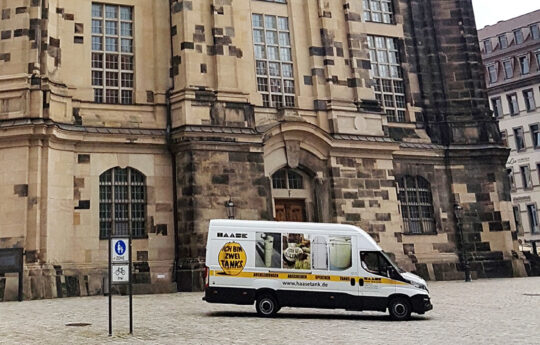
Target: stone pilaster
{"type": "Point", "coordinates": [208, 175]}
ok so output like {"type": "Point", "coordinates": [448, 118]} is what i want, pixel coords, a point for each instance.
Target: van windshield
{"type": "Point", "coordinates": [396, 267]}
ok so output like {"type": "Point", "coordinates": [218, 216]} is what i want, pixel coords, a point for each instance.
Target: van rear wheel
{"type": "Point", "coordinates": [399, 309]}
{"type": "Point", "coordinates": [266, 305]}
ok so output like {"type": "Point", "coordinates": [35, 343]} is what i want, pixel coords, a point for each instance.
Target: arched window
{"type": "Point", "coordinates": [122, 201]}
{"type": "Point", "coordinates": [287, 179]}
{"type": "Point", "coordinates": [416, 205]}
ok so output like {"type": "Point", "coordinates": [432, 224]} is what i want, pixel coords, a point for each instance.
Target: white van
{"type": "Point", "coordinates": [284, 264]}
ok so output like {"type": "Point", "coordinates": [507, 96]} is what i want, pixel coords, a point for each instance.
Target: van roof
{"type": "Point", "coordinates": [297, 226]}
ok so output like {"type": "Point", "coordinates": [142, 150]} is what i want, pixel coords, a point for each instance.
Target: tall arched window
{"type": "Point", "coordinates": [122, 201]}
{"type": "Point", "coordinates": [416, 205]}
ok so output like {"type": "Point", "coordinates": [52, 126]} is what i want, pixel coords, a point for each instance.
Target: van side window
{"type": "Point", "coordinates": [374, 262]}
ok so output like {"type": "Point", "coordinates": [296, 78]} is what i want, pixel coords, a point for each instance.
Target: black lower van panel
{"type": "Point", "coordinates": [229, 295]}
{"type": "Point", "coordinates": [301, 299]}
{"type": "Point", "coordinates": [308, 299]}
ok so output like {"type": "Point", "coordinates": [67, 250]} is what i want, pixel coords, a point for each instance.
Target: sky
{"type": "Point", "coordinates": [489, 12]}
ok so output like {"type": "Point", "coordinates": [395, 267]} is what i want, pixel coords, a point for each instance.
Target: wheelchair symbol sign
{"type": "Point", "coordinates": [120, 250]}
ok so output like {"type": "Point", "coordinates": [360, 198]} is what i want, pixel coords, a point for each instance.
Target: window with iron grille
{"type": "Point", "coordinates": [112, 53]}
{"type": "Point", "coordinates": [273, 55]}
{"type": "Point", "coordinates": [287, 179]}
{"type": "Point", "coordinates": [379, 11]}
{"type": "Point", "coordinates": [122, 203]}
{"type": "Point", "coordinates": [388, 77]}
{"type": "Point", "coordinates": [416, 205]}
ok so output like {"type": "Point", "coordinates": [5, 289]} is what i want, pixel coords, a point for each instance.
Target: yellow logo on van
{"type": "Point", "coordinates": [232, 258]}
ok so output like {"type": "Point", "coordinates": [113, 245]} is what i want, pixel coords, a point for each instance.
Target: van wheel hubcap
{"type": "Point", "coordinates": [400, 309]}
{"type": "Point", "coordinates": [266, 306]}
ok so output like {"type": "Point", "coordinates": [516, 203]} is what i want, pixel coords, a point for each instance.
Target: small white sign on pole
{"type": "Point", "coordinates": [120, 250]}
{"type": "Point", "coordinates": [120, 273]}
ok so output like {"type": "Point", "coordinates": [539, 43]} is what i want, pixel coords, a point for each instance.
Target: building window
{"type": "Point", "coordinates": [526, 176]}
{"type": "Point", "coordinates": [379, 11]}
{"type": "Point", "coordinates": [496, 103]}
{"type": "Point", "coordinates": [510, 177]}
{"type": "Point", "coordinates": [528, 95]}
{"type": "Point", "coordinates": [492, 72]}
{"type": "Point", "coordinates": [533, 218]}
{"type": "Point", "coordinates": [508, 69]}
{"type": "Point", "coordinates": [287, 179]}
{"type": "Point", "coordinates": [503, 41]}
{"type": "Point", "coordinates": [535, 133]}
{"type": "Point", "coordinates": [504, 137]}
{"type": "Point", "coordinates": [520, 142]}
{"type": "Point", "coordinates": [518, 36]}
{"type": "Point", "coordinates": [538, 59]}
{"type": "Point", "coordinates": [388, 77]}
{"type": "Point", "coordinates": [524, 65]}
{"type": "Point", "coordinates": [122, 203]}
{"type": "Point", "coordinates": [416, 205]}
{"type": "Point", "coordinates": [274, 67]}
{"type": "Point", "coordinates": [488, 48]}
{"type": "Point", "coordinates": [513, 104]}
{"type": "Point", "coordinates": [112, 53]}
{"type": "Point", "coordinates": [517, 219]}
{"type": "Point", "coordinates": [535, 32]}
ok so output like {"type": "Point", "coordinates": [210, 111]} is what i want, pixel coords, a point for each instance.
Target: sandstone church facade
{"type": "Point", "coordinates": [147, 116]}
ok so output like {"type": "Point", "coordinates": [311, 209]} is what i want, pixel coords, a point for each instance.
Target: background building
{"type": "Point", "coordinates": [511, 54]}
{"type": "Point", "coordinates": [150, 115]}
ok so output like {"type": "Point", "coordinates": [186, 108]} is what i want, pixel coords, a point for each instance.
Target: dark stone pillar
{"type": "Point", "coordinates": [208, 174]}
{"type": "Point", "coordinates": [442, 43]}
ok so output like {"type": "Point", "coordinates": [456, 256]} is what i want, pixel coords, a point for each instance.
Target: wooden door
{"type": "Point", "coordinates": [290, 210]}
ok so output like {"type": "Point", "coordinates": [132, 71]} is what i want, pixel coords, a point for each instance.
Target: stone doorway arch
{"type": "Point", "coordinates": [297, 152]}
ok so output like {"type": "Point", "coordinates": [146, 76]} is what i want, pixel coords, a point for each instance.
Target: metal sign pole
{"type": "Point", "coordinates": [120, 263]}
{"type": "Point", "coordinates": [21, 273]}
{"type": "Point", "coordinates": [110, 283]}
{"type": "Point", "coordinates": [130, 288]}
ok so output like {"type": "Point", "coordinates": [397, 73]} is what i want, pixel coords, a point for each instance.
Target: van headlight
{"type": "Point", "coordinates": [419, 285]}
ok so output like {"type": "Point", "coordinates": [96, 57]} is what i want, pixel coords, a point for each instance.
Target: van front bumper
{"type": "Point", "coordinates": [421, 304]}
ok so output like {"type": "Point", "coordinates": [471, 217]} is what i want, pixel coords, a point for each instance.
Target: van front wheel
{"type": "Point", "coordinates": [266, 305]}
{"type": "Point", "coordinates": [399, 309]}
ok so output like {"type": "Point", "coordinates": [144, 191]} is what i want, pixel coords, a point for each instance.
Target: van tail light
{"type": "Point", "coordinates": [206, 277]}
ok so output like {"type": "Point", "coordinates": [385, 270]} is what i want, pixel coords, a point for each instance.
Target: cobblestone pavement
{"type": "Point", "coordinates": [497, 311]}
